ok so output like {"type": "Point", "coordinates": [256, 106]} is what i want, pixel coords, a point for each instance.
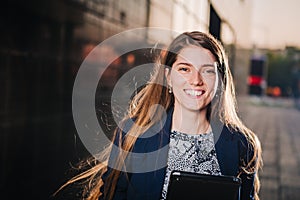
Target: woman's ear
{"type": "Point", "coordinates": [167, 75]}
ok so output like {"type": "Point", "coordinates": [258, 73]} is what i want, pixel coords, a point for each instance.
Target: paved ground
{"type": "Point", "coordinates": [277, 124]}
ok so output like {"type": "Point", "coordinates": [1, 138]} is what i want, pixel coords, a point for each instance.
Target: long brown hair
{"type": "Point", "coordinates": [155, 92]}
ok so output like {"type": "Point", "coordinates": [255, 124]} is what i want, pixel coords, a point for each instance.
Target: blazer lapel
{"type": "Point", "coordinates": [227, 152]}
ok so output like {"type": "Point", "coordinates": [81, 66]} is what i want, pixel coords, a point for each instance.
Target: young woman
{"type": "Point", "coordinates": [193, 109]}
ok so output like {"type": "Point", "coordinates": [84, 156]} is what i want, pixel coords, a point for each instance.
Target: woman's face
{"type": "Point", "coordinates": [193, 78]}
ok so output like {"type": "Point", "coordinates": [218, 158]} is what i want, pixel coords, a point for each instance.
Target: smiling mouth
{"type": "Point", "coordinates": [194, 93]}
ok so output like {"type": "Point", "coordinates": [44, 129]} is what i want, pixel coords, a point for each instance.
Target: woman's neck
{"type": "Point", "coordinates": [190, 122]}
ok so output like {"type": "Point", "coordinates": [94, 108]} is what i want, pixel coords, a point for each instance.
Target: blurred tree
{"type": "Point", "coordinates": [280, 69]}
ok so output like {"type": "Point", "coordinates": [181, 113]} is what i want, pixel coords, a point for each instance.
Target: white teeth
{"type": "Point", "coordinates": [194, 92]}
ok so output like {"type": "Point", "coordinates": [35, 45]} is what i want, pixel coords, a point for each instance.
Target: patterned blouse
{"type": "Point", "coordinates": [192, 153]}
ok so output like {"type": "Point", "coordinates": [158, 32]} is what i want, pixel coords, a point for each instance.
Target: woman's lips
{"type": "Point", "coordinates": [194, 93]}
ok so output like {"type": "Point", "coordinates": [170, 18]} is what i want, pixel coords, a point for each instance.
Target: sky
{"type": "Point", "coordinates": [276, 23]}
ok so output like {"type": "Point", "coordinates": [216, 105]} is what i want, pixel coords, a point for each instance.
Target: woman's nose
{"type": "Point", "coordinates": [196, 78]}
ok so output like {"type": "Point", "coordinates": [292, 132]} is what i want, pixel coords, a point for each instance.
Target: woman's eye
{"type": "Point", "coordinates": [184, 69]}
{"type": "Point", "coordinates": [209, 71]}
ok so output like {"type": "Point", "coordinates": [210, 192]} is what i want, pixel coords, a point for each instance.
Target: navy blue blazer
{"type": "Point", "coordinates": [232, 149]}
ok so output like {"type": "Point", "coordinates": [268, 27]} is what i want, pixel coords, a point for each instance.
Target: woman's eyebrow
{"type": "Point", "coordinates": [190, 65]}
{"type": "Point", "coordinates": [184, 63]}
{"type": "Point", "coordinates": [208, 65]}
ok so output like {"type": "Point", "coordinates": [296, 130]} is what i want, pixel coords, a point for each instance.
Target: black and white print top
{"type": "Point", "coordinates": [192, 153]}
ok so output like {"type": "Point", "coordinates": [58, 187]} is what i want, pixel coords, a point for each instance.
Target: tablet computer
{"type": "Point", "coordinates": [192, 186]}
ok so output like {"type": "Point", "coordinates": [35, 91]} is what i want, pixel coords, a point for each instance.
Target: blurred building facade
{"type": "Point", "coordinates": [218, 18]}
{"type": "Point", "coordinates": [42, 45]}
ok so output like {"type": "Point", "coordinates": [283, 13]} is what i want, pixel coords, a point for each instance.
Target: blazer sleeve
{"type": "Point", "coordinates": [247, 189]}
{"type": "Point", "coordinates": [122, 183]}
{"type": "Point", "coordinates": [121, 187]}
{"type": "Point", "coordinates": [246, 154]}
